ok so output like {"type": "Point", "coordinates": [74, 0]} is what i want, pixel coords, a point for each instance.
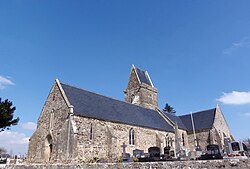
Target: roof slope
{"type": "Point", "coordinates": [143, 77]}
{"type": "Point", "coordinates": [202, 120]}
{"type": "Point", "coordinates": [176, 119]}
{"type": "Point", "coordinates": [89, 104]}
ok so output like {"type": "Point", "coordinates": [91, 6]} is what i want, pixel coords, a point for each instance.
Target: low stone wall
{"type": "Point", "coordinates": [212, 164]}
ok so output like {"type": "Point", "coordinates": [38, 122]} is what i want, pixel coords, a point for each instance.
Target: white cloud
{"type": "Point", "coordinates": [13, 137]}
{"type": "Point", "coordinates": [5, 81]}
{"type": "Point", "coordinates": [29, 126]}
{"type": "Point", "coordinates": [243, 43]}
{"type": "Point", "coordinates": [14, 141]}
{"type": "Point", "coordinates": [247, 114]}
{"type": "Point", "coordinates": [235, 98]}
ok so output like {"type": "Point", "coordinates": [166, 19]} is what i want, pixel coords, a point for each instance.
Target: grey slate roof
{"type": "Point", "coordinates": [202, 120]}
{"type": "Point", "coordinates": [176, 119]}
{"type": "Point", "coordinates": [143, 77]}
{"type": "Point", "coordinates": [89, 104]}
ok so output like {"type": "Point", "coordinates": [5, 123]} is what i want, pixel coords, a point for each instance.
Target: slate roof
{"type": "Point", "coordinates": [89, 104]}
{"type": "Point", "coordinates": [143, 76]}
{"type": "Point", "coordinates": [202, 120]}
{"type": "Point", "coordinates": [176, 119]}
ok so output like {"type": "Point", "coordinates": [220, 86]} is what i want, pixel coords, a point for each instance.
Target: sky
{"type": "Point", "coordinates": [197, 54]}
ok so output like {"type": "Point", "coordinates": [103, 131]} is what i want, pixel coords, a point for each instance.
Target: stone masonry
{"type": "Point", "coordinates": [139, 93]}
{"type": "Point", "coordinates": [212, 164]}
{"type": "Point", "coordinates": [65, 137]}
{"type": "Point", "coordinates": [49, 142]}
{"type": "Point", "coordinates": [108, 137]}
{"type": "Point", "coordinates": [70, 136]}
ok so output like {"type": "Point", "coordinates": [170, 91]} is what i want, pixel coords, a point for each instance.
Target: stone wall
{"type": "Point", "coordinates": [107, 138]}
{"type": "Point", "coordinates": [63, 137]}
{"type": "Point", "coordinates": [139, 93]}
{"type": "Point", "coordinates": [215, 135]}
{"type": "Point", "coordinates": [203, 139]}
{"type": "Point", "coordinates": [212, 164]}
{"type": "Point", "coordinates": [49, 142]}
{"type": "Point", "coordinates": [221, 127]}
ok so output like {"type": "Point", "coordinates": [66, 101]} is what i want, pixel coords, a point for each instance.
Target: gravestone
{"type": "Point", "coordinates": [154, 153]}
{"type": "Point", "coordinates": [192, 155]}
{"type": "Point", "coordinates": [167, 152]}
{"type": "Point", "coordinates": [138, 153]}
{"type": "Point", "coordinates": [181, 155]}
{"type": "Point", "coordinates": [125, 156]}
{"type": "Point", "coordinates": [227, 142]}
{"type": "Point", "coordinates": [172, 153]}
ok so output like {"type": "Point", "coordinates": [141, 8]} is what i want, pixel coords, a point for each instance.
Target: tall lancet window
{"type": "Point", "coordinates": [51, 120]}
{"type": "Point", "coordinates": [183, 139]}
{"type": "Point", "coordinates": [131, 136]}
{"type": "Point", "coordinates": [91, 132]}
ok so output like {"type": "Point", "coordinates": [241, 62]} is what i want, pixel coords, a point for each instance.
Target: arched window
{"type": "Point", "coordinates": [54, 97]}
{"type": "Point", "coordinates": [132, 98]}
{"type": "Point", "coordinates": [167, 142]}
{"type": "Point", "coordinates": [48, 148]}
{"type": "Point", "coordinates": [131, 136]}
{"type": "Point", "coordinates": [183, 139]}
{"type": "Point", "coordinates": [91, 132]}
{"type": "Point", "coordinates": [51, 120]}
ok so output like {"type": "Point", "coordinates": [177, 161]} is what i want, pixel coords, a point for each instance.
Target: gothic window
{"type": "Point", "coordinates": [132, 98]}
{"type": "Point", "coordinates": [171, 140]}
{"type": "Point", "coordinates": [54, 97]}
{"type": "Point", "coordinates": [48, 148]}
{"type": "Point", "coordinates": [167, 142]}
{"type": "Point", "coordinates": [131, 136]}
{"type": "Point", "coordinates": [149, 98]}
{"type": "Point", "coordinates": [91, 132]}
{"type": "Point", "coordinates": [51, 122]}
{"type": "Point", "coordinates": [183, 139]}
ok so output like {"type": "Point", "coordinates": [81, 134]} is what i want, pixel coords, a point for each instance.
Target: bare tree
{"type": "Point", "coordinates": [247, 142]}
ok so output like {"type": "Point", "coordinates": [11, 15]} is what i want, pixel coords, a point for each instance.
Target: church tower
{"type": "Point", "coordinates": [140, 90]}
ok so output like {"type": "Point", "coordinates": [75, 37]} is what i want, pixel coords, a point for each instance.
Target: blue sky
{"type": "Point", "coordinates": [196, 52]}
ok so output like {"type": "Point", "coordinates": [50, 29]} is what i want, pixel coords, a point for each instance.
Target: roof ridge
{"type": "Point", "coordinates": [108, 97]}
{"type": "Point", "coordinates": [197, 112]}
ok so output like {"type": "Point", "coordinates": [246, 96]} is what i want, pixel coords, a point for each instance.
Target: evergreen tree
{"type": "Point", "coordinates": [169, 109]}
{"type": "Point", "coordinates": [6, 115]}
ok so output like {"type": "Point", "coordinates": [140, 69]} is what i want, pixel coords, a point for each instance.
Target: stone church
{"type": "Point", "coordinates": [77, 125]}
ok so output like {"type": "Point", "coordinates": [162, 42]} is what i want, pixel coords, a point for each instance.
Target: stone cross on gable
{"type": "Point", "coordinates": [123, 148]}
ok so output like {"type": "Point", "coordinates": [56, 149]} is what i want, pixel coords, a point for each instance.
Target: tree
{"type": "Point", "coordinates": [6, 115]}
{"type": "Point", "coordinates": [247, 142]}
{"type": "Point", "coordinates": [169, 109]}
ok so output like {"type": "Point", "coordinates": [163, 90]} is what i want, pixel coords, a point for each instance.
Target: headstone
{"type": "Point", "coordinates": [123, 148]}
{"type": "Point", "coordinates": [167, 152]}
{"type": "Point", "coordinates": [182, 153]}
{"type": "Point", "coordinates": [227, 145]}
{"type": "Point", "coordinates": [154, 153]}
{"type": "Point", "coordinates": [138, 153]}
{"type": "Point", "coordinates": [125, 156]}
{"type": "Point", "coordinates": [172, 153]}
{"type": "Point", "coordinates": [192, 155]}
